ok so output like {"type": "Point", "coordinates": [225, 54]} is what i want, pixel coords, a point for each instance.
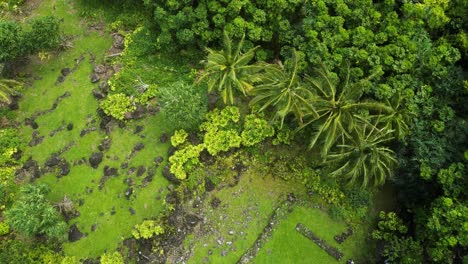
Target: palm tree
{"type": "Point", "coordinates": [283, 90]}
{"type": "Point", "coordinates": [8, 88]}
{"type": "Point", "coordinates": [364, 159]}
{"type": "Point", "coordinates": [399, 117]}
{"type": "Point", "coordinates": [228, 70]}
{"type": "Point", "coordinates": [337, 108]}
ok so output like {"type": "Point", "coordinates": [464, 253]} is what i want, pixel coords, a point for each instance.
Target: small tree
{"type": "Point", "coordinates": [33, 215]}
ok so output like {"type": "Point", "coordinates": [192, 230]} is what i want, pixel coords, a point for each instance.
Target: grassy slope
{"type": "Point", "coordinates": [79, 109]}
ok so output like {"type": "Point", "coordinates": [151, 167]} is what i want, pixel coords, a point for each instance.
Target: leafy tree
{"type": "Point", "coordinates": [229, 70]}
{"type": "Point", "coordinates": [32, 214]}
{"type": "Point", "coordinates": [364, 159]}
{"type": "Point", "coordinates": [185, 105]}
{"type": "Point", "coordinates": [285, 91]}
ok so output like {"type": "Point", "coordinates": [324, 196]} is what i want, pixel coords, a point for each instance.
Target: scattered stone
{"type": "Point", "coordinates": [128, 193]}
{"type": "Point", "coordinates": [124, 165]}
{"type": "Point", "coordinates": [343, 236]}
{"type": "Point", "coordinates": [104, 86]}
{"type": "Point", "coordinates": [141, 170]}
{"type": "Point", "coordinates": [93, 227]}
{"type": "Point", "coordinates": [34, 124]}
{"type": "Point", "coordinates": [64, 168]}
{"type": "Point", "coordinates": [131, 210]}
{"type": "Point", "coordinates": [231, 232]}
{"type": "Point", "coordinates": [53, 161]}
{"type": "Point", "coordinates": [74, 233]}
{"type": "Point", "coordinates": [229, 243]}
{"type": "Point", "coordinates": [223, 253]}
{"type": "Point", "coordinates": [210, 252]}
{"type": "Point", "coordinates": [65, 71]}
{"type": "Point", "coordinates": [98, 94]}
{"type": "Point", "coordinates": [70, 126]}
{"type": "Point", "coordinates": [138, 129]}
{"type": "Point", "coordinates": [332, 251]}
{"type": "Point", "coordinates": [109, 171]}
{"type": "Point", "coordinates": [164, 138]}
{"type": "Point", "coordinates": [119, 41]}
{"type": "Point", "coordinates": [36, 139]}
{"type": "Point", "coordinates": [138, 147]}
{"type": "Point", "coordinates": [169, 176]}
{"type": "Point", "coordinates": [99, 69]}
{"type": "Point", "coordinates": [158, 160]}
{"type": "Point", "coordinates": [192, 219]}
{"type": "Point", "coordinates": [131, 170]}
{"type": "Point", "coordinates": [80, 202]}
{"type": "Point", "coordinates": [94, 78]}
{"type": "Point", "coordinates": [112, 212]}
{"type": "Point", "coordinates": [129, 182]}
{"type": "Point", "coordinates": [215, 202]}
{"type": "Point", "coordinates": [209, 185]}
{"type": "Point", "coordinates": [60, 79]}
{"type": "Point", "coordinates": [95, 159]}
{"type": "Point", "coordinates": [105, 144]}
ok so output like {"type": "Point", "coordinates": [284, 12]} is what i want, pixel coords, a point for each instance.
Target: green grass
{"type": "Point", "coordinates": [288, 246]}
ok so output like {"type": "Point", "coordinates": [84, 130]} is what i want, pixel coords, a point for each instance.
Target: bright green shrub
{"type": "Point", "coordinates": [116, 105]}
{"type": "Point", "coordinates": [221, 140]}
{"type": "Point", "coordinates": [255, 130]}
{"type": "Point", "coordinates": [185, 159]}
{"type": "Point", "coordinates": [112, 258]}
{"type": "Point", "coordinates": [69, 260]}
{"type": "Point", "coordinates": [147, 229]}
{"type": "Point", "coordinates": [179, 137]}
{"type": "Point", "coordinates": [4, 228]}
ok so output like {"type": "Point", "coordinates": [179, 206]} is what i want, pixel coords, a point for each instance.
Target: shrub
{"type": "Point", "coordinates": [185, 160]}
{"type": "Point", "coordinates": [116, 105]}
{"type": "Point", "coordinates": [114, 258]}
{"type": "Point", "coordinates": [255, 130]}
{"type": "Point", "coordinates": [4, 228]}
{"type": "Point", "coordinates": [184, 105]}
{"type": "Point", "coordinates": [147, 229]}
{"type": "Point", "coordinates": [179, 137]}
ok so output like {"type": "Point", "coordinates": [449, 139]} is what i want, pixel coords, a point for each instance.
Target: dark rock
{"type": "Point", "coordinates": [131, 170]}
{"type": "Point", "coordinates": [138, 129]}
{"type": "Point", "coordinates": [93, 227]}
{"type": "Point", "coordinates": [164, 138]}
{"type": "Point", "coordinates": [209, 185]}
{"type": "Point", "coordinates": [128, 193]}
{"type": "Point", "coordinates": [109, 171]}
{"type": "Point", "coordinates": [141, 170]}
{"type": "Point", "coordinates": [124, 165]}
{"type": "Point", "coordinates": [215, 202]}
{"type": "Point", "coordinates": [80, 202]}
{"type": "Point", "coordinates": [99, 69]}
{"type": "Point", "coordinates": [138, 147]}
{"type": "Point", "coordinates": [172, 198]}
{"type": "Point", "coordinates": [74, 233]}
{"type": "Point", "coordinates": [60, 79]}
{"type": "Point", "coordinates": [70, 126]}
{"type": "Point", "coordinates": [193, 139]}
{"type": "Point", "coordinates": [131, 210]}
{"type": "Point", "coordinates": [36, 139]}
{"type": "Point", "coordinates": [53, 161]}
{"type": "Point", "coordinates": [129, 182]}
{"type": "Point", "coordinates": [104, 86]}
{"type": "Point", "coordinates": [105, 144]}
{"type": "Point", "coordinates": [14, 105]}
{"type": "Point", "coordinates": [34, 124]}
{"type": "Point", "coordinates": [119, 41]}
{"type": "Point", "coordinates": [95, 159]}
{"type": "Point", "coordinates": [94, 78]}
{"type": "Point", "coordinates": [64, 168]}
{"type": "Point", "coordinates": [65, 71]}
{"type": "Point", "coordinates": [158, 160]}
{"type": "Point", "coordinates": [192, 219]}
{"type": "Point", "coordinates": [98, 94]}
{"type": "Point", "coordinates": [169, 176]}
{"type": "Point", "coordinates": [171, 151]}
{"type": "Point", "coordinates": [112, 212]}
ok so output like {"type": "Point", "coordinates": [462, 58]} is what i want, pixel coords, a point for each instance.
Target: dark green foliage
{"type": "Point", "coordinates": [36, 35]}
{"type": "Point", "coordinates": [33, 215]}
{"type": "Point", "coordinates": [16, 251]}
{"type": "Point", "coordinates": [183, 104]}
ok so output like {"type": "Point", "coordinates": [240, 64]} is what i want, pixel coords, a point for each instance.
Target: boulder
{"type": "Point", "coordinates": [98, 94]}
{"type": "Point", "coordinates": [74, 233]}
{"type": "Point", "coordinates": [109, 171]}
{"type": "Point", "coordinates": [64, 168]}
{"type": "Point", "coordinates": [95, 159]}
{"type": "Point", "coordinates": [158, 160]}
{"type": "Point", "coordinates": [65, 71]}
{"type": "Point", "coordinates": [53, 161]}
{"type": "Point", "coordinates": [94, 78]}
{"type": "Point", "coordinates": [100, 69]}
{"type": "Point", "coordinates": [128, 193]}
{"type": "Point", "coordinates": [70, 126]}
{"type": "Point", "coordinates": [138, 147]}
{"type": "Point", "coordinates": [119, 41]}
{"type": "Point", "coordinates": [141, 170]}
{"type": "Point", "coordinates": [169, 176]}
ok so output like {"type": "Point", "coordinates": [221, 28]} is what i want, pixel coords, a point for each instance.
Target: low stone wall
{"type": "Point", "coordinates": [321, 243]}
